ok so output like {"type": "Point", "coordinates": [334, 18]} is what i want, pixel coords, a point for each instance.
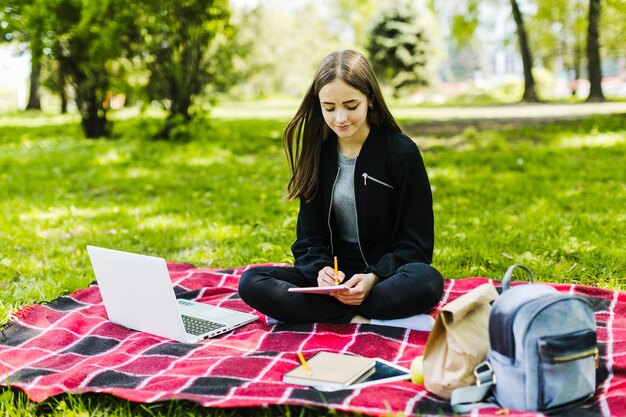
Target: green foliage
{"type": "Point", "coordinates": [358, 15]}
{"type": "Point", "coordinates": [549, 196]}
{"type": "Point", "coordinates": [174, 49]}
{"type": "Point", "coordinates": [613, 26]}
{"type": "Point", "coordinates": [23, 22]}
{"type": "Point", "coordinates": [15, 22]}
{"type": "Point", "coordinates": [463, 26]}
{"type": "Point", "coordinates": [279, 48]}
{"type": "Point", "coordinates": [404, 46]}
{"type": "Point", "coordinates": [558, 32]}
{"type": "Point", "coordinates": [185, 48]}
{"type": "Point", "coordinates": [84, 38]}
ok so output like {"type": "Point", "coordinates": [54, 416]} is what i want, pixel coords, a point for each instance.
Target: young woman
{"type": "Point", "coordinates": [364, 198]}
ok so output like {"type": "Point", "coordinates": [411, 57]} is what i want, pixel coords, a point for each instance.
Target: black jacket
{"type": "Point", "coordinates": [393, 205]}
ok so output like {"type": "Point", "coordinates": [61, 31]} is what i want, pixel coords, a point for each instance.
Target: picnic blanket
{"type": "Point", "coordinates": [68, 346]}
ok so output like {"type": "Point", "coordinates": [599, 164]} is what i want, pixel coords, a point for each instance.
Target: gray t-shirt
{"type": "Point", "coordinates": [343, 199]}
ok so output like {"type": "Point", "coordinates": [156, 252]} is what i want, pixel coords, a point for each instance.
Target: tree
{"type": "Point", "coordinates": [593, 53]}
{"type": "Point", "coordinates": [92, 44]}
{"type": "Point", "coordinates": [186, 50]}
{"type": "Point", "coordinates": [613, 27]}
{"type": "Point", "coordinates": [86, 38]}
{"type": "Point", "coordinates": [464, 24]}
{"type": "Point", "coordinates": [558, 37]}
{"type": "Point", "coordinates": [267, 68]}
{"type": "Point", "coordinates": [403, 45]}
{"type": "Point", "coordinates": [466, 52]}
{"type": "Point", "coordinates": [568, 32]}
{"type": "Point", "coordinates": [357, 14]}
{"type": "Point", "coordinates": [54, 78]}
{"type": "Point", "coordinates": [36, 52]}
{"type": "Point", "coordinates": [21, 22]}
{"type": "Point", "coordinates": [529, 82]}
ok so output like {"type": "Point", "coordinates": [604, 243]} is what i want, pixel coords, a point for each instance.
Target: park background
{"type": "Point", "coordinates": [156, 128]}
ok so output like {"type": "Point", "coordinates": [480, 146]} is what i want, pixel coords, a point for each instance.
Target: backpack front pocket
{"type": "Point", "coordinates": [566, 368]}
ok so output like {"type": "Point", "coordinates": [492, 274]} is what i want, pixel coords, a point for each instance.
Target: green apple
{"type": "Point", "coordinates": [417, 370]}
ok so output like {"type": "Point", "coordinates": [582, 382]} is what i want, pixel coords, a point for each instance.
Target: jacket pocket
{"type": "Point", "coordinates": [367, 177]}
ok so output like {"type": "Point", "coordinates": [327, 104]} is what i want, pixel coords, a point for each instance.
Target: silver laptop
{"type": "Point", "coordinates": [138, 294]}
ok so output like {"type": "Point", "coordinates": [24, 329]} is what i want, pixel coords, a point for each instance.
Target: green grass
{"type": "Point", "coordinates": [550, 196]}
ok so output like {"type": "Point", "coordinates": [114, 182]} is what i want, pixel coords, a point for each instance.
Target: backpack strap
{"type": "Point", "coordinates": [466, 399]}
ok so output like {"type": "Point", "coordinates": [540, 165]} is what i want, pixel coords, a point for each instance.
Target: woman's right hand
{"type": "Point", "coordinates": [326, 277]}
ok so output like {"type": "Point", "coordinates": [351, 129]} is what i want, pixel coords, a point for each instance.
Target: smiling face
{"type": "Point", "coordinates": [345, 111]}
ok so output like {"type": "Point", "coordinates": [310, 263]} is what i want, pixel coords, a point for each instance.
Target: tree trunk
{"type": "Point", "coordinates": [178, 115]}
{"type": "Point", "coordinates": [181, 109]}
{"type": "Point", "coordinates": [34, 103]}
{"type": "Point", "coordinates": [593, 53]}
{"type": "Point", "coordinates": [530, 95]}
{"type": "Point", "coordinates": [94, 125]}
{"type": "Point", "coordinates": [62, 91]}
{"type": "Point", "coordinates": [93, 116]}
{"type": "Point", "coordinates": [577, 67]}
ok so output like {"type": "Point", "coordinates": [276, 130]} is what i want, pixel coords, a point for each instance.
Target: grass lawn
{"type": "Point", "coordinates": [551, 197]}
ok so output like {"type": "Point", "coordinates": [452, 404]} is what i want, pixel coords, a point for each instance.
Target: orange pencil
{"type": "Point", "coordinates": [336, 272]}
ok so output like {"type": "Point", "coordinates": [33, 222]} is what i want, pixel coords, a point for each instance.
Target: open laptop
{"type": "Point", "coordinates": [138, 294]}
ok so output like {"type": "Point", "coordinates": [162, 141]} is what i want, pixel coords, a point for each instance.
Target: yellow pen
{"type": "Point", "coordinates": [336, 272]}
{"type": "Point", "coordinates": [306, 365]}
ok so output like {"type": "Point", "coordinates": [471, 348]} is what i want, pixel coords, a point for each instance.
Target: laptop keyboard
{"type": "Point", "coordinates": [198, 326]}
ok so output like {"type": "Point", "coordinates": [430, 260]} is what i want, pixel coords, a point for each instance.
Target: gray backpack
{"type": "Point", "coordinates": [543, 351]}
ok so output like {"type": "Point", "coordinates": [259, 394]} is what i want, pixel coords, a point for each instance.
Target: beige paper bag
{"type": "Point", "coordinates": [458, 342]}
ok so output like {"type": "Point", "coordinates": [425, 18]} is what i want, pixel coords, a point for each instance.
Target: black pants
{"type": "Point", "coordinates": [415, 288]}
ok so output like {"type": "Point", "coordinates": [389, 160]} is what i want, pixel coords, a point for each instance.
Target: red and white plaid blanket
{"type": "Point", "coordinates": [69, 346]}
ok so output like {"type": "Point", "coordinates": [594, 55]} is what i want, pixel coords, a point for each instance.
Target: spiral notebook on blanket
{"type": "Point", "coordinates": [137, 293]}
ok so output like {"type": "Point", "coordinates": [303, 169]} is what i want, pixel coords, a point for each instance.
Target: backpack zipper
{"type": "Point", "coordinates": [592, 352]}
{"type": "Point", "coordinates": [366, 177]}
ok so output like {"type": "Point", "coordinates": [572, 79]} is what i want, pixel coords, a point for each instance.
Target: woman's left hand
{"type": "Point", "coordinates": [360, 286]}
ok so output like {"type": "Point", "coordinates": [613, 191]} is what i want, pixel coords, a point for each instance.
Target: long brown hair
{"type": "Point", "coordinates": [304, 135]}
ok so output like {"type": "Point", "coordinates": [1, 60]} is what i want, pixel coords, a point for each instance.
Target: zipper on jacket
{"type": "Point", "coordinates": [366, 177]}
{"type": "Point", "coordinates": [330, 209]}
{"type": "Point", "coordinates": [356, 217]}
